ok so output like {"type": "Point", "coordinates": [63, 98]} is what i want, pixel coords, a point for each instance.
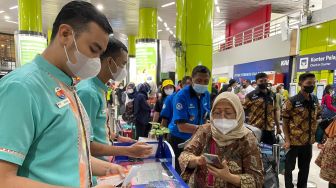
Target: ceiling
{"type": "Point", "coordinates": [123, 14]}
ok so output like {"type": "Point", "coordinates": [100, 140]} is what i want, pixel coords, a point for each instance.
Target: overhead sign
{"type": "Point", "coordinates": [316, 62]}
{"type": "Point", "coordinates": [249, 70]}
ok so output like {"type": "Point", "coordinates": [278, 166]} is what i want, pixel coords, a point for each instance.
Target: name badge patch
{"type": "Point", "coordinates": [63, 103]}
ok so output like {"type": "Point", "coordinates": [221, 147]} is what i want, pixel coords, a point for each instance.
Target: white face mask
{"type": "Point", "coordinates": [129, 91]}
{"type": "Point", "coordinates": [169, 91]}
{"type": "Point", "coordinates": [120, 74]}
{"type": "Point", "coordinates": [84, 67]}
{"type": "Point", "coordinates": [225, 125]}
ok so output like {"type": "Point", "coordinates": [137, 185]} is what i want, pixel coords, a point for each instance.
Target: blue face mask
{"type": "Point", "coordinates": [200, 88]}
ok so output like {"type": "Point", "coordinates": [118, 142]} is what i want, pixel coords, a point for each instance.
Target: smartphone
{"type": "Point", "coordinates": [213, 160]}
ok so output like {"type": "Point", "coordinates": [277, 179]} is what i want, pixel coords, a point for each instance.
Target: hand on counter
{"type": "Point", "coordinates": [140, 150]}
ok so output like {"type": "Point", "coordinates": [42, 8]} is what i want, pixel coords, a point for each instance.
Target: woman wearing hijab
{"type": "Point", "coordinates": [326, 159]}
{"type": "Point", "coordinates": [235, 145]}
{"type": "Point", "coordinates": [142, 111]}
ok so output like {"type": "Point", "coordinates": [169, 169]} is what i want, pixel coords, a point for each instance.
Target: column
{"type": "Point", "coordinates": [147, 61]}
{"type": "Point", "coordinates": [131, 46]}
{"type": "Point", "coordinates": [30, 15]}
{"type": "Point", "coordinates": [194, 28]}
{"type": "Point", "coordinates": [131, 66]}
{"type": "Point", "coordinates": [147, 23]}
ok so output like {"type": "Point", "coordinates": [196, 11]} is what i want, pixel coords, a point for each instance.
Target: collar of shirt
{"type": "Point", "coordinates": [100, 84]}
{"type": "Point", "coordinates": [302, 99]}
{"type": "Point", "coordinates": [53, 70]}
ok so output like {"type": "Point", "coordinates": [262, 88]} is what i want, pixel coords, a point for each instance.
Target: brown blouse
{"type": "Point", "coordinates": [243, 158]}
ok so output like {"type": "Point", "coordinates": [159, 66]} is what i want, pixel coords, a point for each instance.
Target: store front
{"type": "Point", "coordinates": [7, 54]}
{"type": "Point", "coordinates": [278, 70]}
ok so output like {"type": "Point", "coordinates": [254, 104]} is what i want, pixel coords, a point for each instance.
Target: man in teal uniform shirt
{"type": "Point", "coordinates": [43, 125]}
{"type": "Point", "coordinates": [92, 93]}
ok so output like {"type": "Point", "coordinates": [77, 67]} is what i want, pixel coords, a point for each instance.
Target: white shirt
{"type": "Point", "coordinates": [249, 89]}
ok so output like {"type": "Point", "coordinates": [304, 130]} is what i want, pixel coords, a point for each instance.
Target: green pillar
{"type": "Point", "coordinates": [49, 35]}
{"type": "Point", "coordinates": [148, 23]}
{"type": "Point", "coordinates": [30, 15]}
{"type": "Point", "coordinates": [194, 28]}
{"type": "Point", "coordinates": [131, 45]}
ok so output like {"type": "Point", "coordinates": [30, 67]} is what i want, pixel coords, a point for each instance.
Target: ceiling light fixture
{"type": "Point", "coordinates": [168, 4]}
{"type": "Point", "coordinates": [6, 17]}
{"type": "Point", "coordinates": [165, 24]}
{"type": "Point", "coordinates": [11, 21]}
{"type": "Point", "coordinates": [100, 7]}
{"type": "Point", "coordinates": [2, 11]}
{"type": "Point", "coordinates": [13, 7]}
{"type": "Point", "coordinates": [217, 24]}
{"type": "Point", "coordinates": [159, 18]}
{"type": "Point", "coordinates": [159, 30]}
{"type": "Point", "coordinates": [174, 26]}
{"type": "Point", "coordinates": [216, 2]}
{"type": "Point", "coordinates": [171, 32]}
{"type": "Point", "coordinates": [174, 36]}
{"type": "Point", "coordinates": [217, 8]}
{"type": "Point", "coordinates": [167, 29]}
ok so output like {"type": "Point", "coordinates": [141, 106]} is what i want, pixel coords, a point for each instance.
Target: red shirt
{"type": "Point", "coordinates": [327, 100]}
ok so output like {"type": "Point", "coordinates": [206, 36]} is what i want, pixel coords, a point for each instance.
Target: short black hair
{"type": "Point", "coordinates": [254, 82]}
{"type": "Point", "coordinates": [78, 14]}
{"type": "Point", "coordinates": [248, 81]}
{"type": "Point", "coordinates": [114, 46]}
{"type": "Point", "coordinates": [305, 76]}
{"type": "Point", "coordinates": [232, 81]}
{"type": "Point", "coordinates": [180, 81]}
{"type": "Point", "coordinates": [260, 75]}
{"type": "Point", "coordinates": [327, 89]}
{"type": "Point", "coordinates": [200, 69]}
{"type": "Point", "coordinates": [184, 79]}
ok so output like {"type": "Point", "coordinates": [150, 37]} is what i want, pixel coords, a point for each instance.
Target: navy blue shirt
{"type": "Point", "coordinates": [189, 108]}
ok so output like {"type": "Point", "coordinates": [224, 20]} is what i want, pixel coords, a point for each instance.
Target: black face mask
{"type": "Point", "coordinates": [262, 86]}
{"type": "Point", "coordinates": [308, 89]}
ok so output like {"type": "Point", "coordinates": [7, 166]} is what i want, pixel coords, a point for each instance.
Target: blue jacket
{"type": "Point", "coordinates": [189, 108]}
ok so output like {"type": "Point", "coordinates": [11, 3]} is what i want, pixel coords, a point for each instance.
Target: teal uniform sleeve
{"type": "Point", "coordinates": [18, 119]}
{"type": "Point", "coordinates": [91, 105]}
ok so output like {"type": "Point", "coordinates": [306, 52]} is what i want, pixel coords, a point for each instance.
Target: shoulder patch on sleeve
{"type": "Point", "coordinates": [179, 106]}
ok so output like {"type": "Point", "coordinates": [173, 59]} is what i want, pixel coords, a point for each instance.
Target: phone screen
{"type": "Point", "coordinates": [213, 160]}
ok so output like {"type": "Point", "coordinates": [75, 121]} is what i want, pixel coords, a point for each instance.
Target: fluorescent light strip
{"type": "Point", "coordinates": [217, 8]}
{"type": "Point", "coordinates": [159, 30]}
{"type": "Point", "coordinates": [2, 11]}
{"type": "Point", "coordinates": [11, 21]}
{"type": "Point", "coordinates": [216, 2]}
{"type": "Point", "coordinates": [159, 18]}
{"type": "Point", "coordinates": [168, 4]}
{"type": "Point", "coordinates": [6, 17]}
{"type": "Point", "coordinates": [165, 24]}
{"type": "Point", "coordinates": [217, 24]}
{"type": "Point", "coordinates": [171, 32]}
{"type": "Point", "coordinates": [167, 29]}
{"type": "Point", "coordinates": [13, 7]}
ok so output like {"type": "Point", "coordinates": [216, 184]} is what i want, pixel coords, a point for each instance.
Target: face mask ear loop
{"type": "Point", "coordinates": [73, 35]}
{"type": "Point", "coordinates": [66, 53]}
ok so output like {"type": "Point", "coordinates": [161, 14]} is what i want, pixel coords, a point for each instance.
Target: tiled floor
{"type": "Point", "coordinates": [314, 173]}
